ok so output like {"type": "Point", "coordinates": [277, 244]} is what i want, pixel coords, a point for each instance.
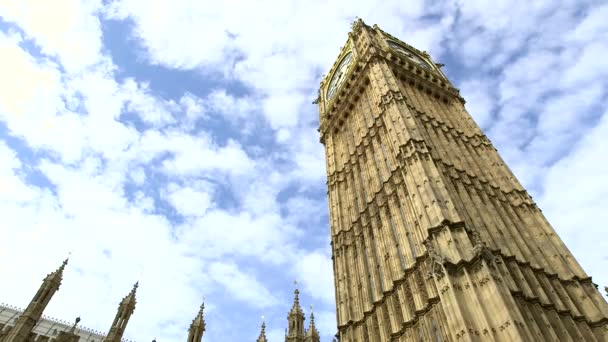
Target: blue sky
{"type": "Point", "coordinates": [175, 142]}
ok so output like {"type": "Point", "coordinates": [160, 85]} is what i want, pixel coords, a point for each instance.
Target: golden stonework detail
{"type": "Point", "coordinates": [433, 237]}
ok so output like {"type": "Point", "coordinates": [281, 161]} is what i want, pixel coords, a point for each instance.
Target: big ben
{"type": "Point", "coordinates": [433, 237]}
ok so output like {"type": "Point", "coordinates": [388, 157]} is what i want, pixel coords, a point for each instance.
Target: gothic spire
{"type": "Point", "coordinates": [62, 267]}
{"type": "Point", "coordinates": [295, 319]}
{"type": "Point", "coordinates": [125, 310]}
{"type": "Point", "coordinates": [312, 334]}
{"type": "Point", "coordinates": [262, 337]}
{"type": "Point", "coordinates": [197, 328]}
{"type": "Point", "coordinates": [130, 298]}
{"type": "Point", "coordinates": [295, 308]}
{"type": "Point", "coordinates": [57, 275]}
{"type": "Point", "coordinates": [26, 322]}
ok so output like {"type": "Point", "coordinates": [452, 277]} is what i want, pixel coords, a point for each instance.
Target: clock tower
{"type": "Point", "coordinates": [433, 237]}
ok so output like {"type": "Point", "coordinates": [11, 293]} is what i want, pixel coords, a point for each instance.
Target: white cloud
{"type": "Point", "coordinates": [221, 234]}
{"type": "Point", "coordinates": [242, 286]}
{"type": "Point", "coordinates": [326, 322]}
{"type": "Point", "coordinates": [276, 51]}
{"type": "Point", "coordinates": [151, 110]}
{"type": "Point", "coordinates": [479, 101]}
{"type": "Point", "coordinates": [193, 199]}
{"type": "Point", "coordinates": [138, 175]}
{"type": "Point", "coordinates": [316, 271]}
{"type": "Point", "coordinates": [587, 65]}
{"type": "Point", "coordinates": [68, 29]}
{"type": "Point", "coordinates": [194, 107]}
{"type": "Point", "coordinates": [12, 186]}
{"type": "Point", "coordinates": [592, 28]}
{"type": "Point", "coordinates": [575, 196]}
{"type": "Point", "coordinates": [193, 155]}
{"type": "Point", "coordinates": [30, 101]}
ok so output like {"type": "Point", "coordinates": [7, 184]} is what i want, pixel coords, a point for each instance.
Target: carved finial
{"type": "Point", "coordinates": [76, 321]}
{"type": "Point", "coordinates": [357, 23]}
{"type": "Point", "coordinates": [199, 316]}
{"type": "Point", "coordinates": [133, 290]}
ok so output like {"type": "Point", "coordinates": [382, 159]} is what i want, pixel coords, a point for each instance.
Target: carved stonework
{"type": "Point", "coordinates": [436, 261]}
{"type": "Point", "coordinates": [481, 249]}
{"type": "Point", "coordinates": [409, 175]}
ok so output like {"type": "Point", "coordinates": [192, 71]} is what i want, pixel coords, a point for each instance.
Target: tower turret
{"type": "Point", "coordinates": [26, 322]}
{"type": "Point", "coordinates": [125, 310]}
{"type": "Point", "coordinates": [197, 328]}
{"type": "Point", "coordinates": [295, 319]}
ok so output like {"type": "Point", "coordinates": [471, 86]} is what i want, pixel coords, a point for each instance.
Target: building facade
{"type": "Point", "coordinates": [30, 325]}
{"type": "Point", "coordinates": [47, 327]}
{"type": "Point", "coordinates": [433, 237]}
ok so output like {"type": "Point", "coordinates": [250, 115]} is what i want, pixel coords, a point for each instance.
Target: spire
{"type": "Point", "coordinates": [131, 295]}
{"type": "Point", "coordinates": [295, 319]}
{"type": "Point", "coordinates": [197, 328]}
{"type": "Point", "coordinates": [125, 310]}
{"type": "Point", "coordinates": [62, 267]}
{"type": "Point", "coordinates": [312, 334]}
{"type": "Point", "coordinates": [26, 322]}
{"type": "Point", "coordinates": [199, 317]}
{"type": "Point", "coordinates": [296, 309]}
{"type": "Point", "coordinates": [57, 275]}
{"type": "Point", "coordinates": [262, 337]}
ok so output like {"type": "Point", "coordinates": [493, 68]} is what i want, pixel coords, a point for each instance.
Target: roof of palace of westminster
{"type": "Point", "coordinates": [48, 329]}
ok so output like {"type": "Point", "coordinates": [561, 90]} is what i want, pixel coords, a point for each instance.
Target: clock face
{"type": "Point", "coordinates": [400, 49]}
{"type": "Point", "coordinates": [339, 75]}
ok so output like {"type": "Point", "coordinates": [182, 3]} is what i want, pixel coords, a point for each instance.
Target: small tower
{"type": "Point", "coordinates": [197, 328]}
{"type": "Point", "coordinates": [125, 310]}
{"type": "Point", "coordinates": [295, 319]}
{"type": "Point", "coordinates": [312, 334]}
{"type": "Point", "coordinates": [262, 337]}
{"type": "Point", "coordinates": [26, 322]}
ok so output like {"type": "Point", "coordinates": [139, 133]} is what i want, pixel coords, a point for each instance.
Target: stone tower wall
{"type": "Point", "coordinates": [433, 236]}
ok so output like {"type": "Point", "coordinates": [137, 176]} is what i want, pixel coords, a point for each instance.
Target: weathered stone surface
{"type": "Point", "coordinates": [433, 237]}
